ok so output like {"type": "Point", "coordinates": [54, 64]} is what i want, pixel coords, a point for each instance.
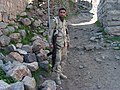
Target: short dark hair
{"type": "Point", "coordinates": [62, 9]}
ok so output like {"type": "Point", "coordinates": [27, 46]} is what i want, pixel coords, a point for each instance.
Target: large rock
{"type": "Point", "coordinates": [15, 37]}
{"type": "Point", "coordinates": [29, 83]}
{"type": "Point", "coordinates": [42, 55]}
{"type": "Point", "coordinates": [3, 25]}
{"type": "Point", "coordinates": [11, 48]}
{"type": "Point", "coordinates": [4, 40]}
{"type": "Point", "coordinates": [49, 85]}
{"type": "Point", "coordinates": [19, 71]}
{"type": "Point", "coordinates": [26, 21]}
{"type": "Point", "coordinates": [5, 17]}
{"type": "Point", "coordinates": [37, 23]}
{"type": "Point", "coordinates": [44, 65]}
{"type": "Point", "coordinates": [22, 33]}
{"type": "Point", "coordinates": [16, 56]}
{"type": "Point", "coordinates": [27, 48]}
{"type": "Point", "coordinates": [17, 86]}
{"type": "Point", "coordinates": [23, 52]}
{"type": "Point", "coordinates": [32, 66]}
{"type": "Point", "coordinates": [8, 66]}
{"type": "Point", "coordinates": [8, 30]}
{"type": "Point", "coordinates": [4, 85]}
{"type": "Point", "coordinates": [23, 14]}
{"type": "Point", "coordinates": [30, 57]}
{"type": "Point", "coordinates": [38, 44]}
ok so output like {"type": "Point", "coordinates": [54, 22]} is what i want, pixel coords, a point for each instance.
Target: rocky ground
{"type": "Point", "coordinates": [92, 63]}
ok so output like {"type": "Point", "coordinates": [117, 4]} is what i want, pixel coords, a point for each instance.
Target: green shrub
{"type": "Point", "coordinates": [98, 23]}
{"type": "Point", "coordinates": [5, 78]}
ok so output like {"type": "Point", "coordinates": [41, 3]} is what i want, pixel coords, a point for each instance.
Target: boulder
{"type": "Point", "coordinates": [48, 85]}
{"type": "Point", "coordinates": [16, 56]}
{"type": "Point", "coordinates": [19, 71]}
{"type": "Point", "coordinates": [17, 86]}
{"type": "Point", "coordinates": [4, 40]}
{"type": "Point", "coordinates": [29, 83]}
{"type": "Point", "coordinates": [4, 85]}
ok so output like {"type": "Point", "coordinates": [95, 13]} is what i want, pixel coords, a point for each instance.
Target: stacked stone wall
{"type": "Point", "coordinates": [109, 15]}
{"type": "Point", "coordinates": [10, 8]}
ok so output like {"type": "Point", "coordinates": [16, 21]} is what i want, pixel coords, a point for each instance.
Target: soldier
{"type": "Point", "coordinates": [59, 28]}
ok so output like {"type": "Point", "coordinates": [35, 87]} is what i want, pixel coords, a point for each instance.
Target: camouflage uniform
{"type": "Point", "coordinates": [62, 40]}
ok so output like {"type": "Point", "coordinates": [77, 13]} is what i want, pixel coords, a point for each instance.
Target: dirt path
{"type": "Point", "coordinates": [96, 69]}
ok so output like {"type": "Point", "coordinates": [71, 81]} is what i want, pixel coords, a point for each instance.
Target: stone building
{"type": "Point", "coordinates": [109, 15]}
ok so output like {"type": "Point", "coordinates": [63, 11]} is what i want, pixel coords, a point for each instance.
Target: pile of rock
{"type": "Point", "coordinates": [22, 59]}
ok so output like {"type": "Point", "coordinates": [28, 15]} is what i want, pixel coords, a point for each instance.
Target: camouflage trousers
{"type": "Point", "coordinates": [61, 56]}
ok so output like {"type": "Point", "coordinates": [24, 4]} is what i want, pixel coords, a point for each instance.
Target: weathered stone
{"type": "Point", "coordinates": [108, 14]}
{"type": "Point", "coordinates": [98, 60]}
{"type": "Point", "coordinates": [89, 47]}
{"type": "Point", "coordinates": [23, 52]}
{"type": "Point", "coordinates": [29, 7]}
{"type": "Point", "coordinates": [3, 25]}
{"type": "Point", "coordinates": [26, 21]}
{"type": "Point", "coordinates": [19, 45]}
{"type": "Point", "coordinates": [29, 83]}
{"type": "Point", "coordinates": [38, 44]}
{"type": "Point", "coordinates": [44, 65]}
{"type": "Point", "coordinates": [19, 71]}
{"type": "Point", "coordinates": [11, 28]}
{"type": "Point", "coordinates": [36, 37]}
{"type": "Point", "coordinates": [27, 48]}
{"type": "Point", "coordinates": [37, 23]}
{"type": "Point", "coordinates": [40, 12]}
{"type": "Point", "coordinates": [42, 55]}
{"type": "Point", "coordinates": [113, 30]}
{"type": "Point", "coordinates": [49, 85]}
{"type": "Point", "coordinates": [30, 57]}
{"type": "Point", "coordinates": [23, 14]}
{"type": "Point", "coordinates": [22, 33]}
{"type": "Point", "coordinates": [117, 57]}
{"type": "Point", "coordinates": [32, 66]}
{"type": "Point", "coordinates": [4, 40]}
{"type": "Point", "coordinates": [11, 48]}
{"type": "Point", "coordinates": [15, 37]}
{"type": "Point", "coordinates": [8, 30]}
{"type": "Point", "coordinates": [92, 38]}
{"type": "Point", "coordinates": [17, 86]}
{"type": "Point", "coordinates": [8, 66]}
{"type": "Point", "coordinates": [8, 58]}
{"type": "Point", "coordinates": [4, 85]}
{"type": "Point", "coordinates": [5, 17]}
{"type": "Point", "coordinates": [16, 56]}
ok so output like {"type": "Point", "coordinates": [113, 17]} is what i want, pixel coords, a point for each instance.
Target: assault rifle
{"type": "Point", "coordinates": [53, 53]}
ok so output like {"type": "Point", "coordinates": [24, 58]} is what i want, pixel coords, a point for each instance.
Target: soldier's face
{"type": "Point", "coordinates": [62, 13]}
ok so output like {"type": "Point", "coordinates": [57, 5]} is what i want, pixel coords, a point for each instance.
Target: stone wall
{"type": "Point", "coordinates": [109, 15]}
{"type": "Point", "coordinates": [10, 8]}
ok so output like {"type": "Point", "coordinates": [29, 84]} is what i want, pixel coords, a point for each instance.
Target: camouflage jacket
{"type": "Point", "coordinates": [61, 31]}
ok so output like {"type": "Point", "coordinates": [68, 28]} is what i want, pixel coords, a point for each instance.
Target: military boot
{"type": "Point", "coordinates": [57, 80]}
{"type": "Point", "coordinates": [62, 76]}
